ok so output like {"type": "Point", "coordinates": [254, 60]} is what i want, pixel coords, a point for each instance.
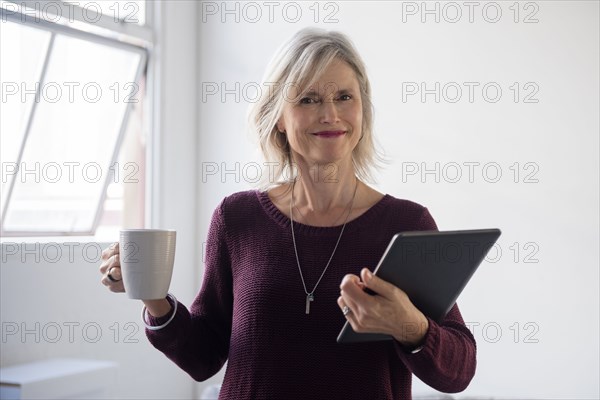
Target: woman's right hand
{"type": "Point", "coordinates": [110, 268]}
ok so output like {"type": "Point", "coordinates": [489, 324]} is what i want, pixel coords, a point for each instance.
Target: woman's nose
{"type": "Point", "coordinates": [328, 112]}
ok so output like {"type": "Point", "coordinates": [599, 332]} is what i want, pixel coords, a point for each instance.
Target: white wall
{"type": "Point", "coordinates": [540, 318]}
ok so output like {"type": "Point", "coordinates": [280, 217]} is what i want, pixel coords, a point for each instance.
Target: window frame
{"type": "Point", "coordinates": [137, 39]}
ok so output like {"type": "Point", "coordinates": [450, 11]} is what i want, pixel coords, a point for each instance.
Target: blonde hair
{"type": "Point", "coordinates": [300, 62]}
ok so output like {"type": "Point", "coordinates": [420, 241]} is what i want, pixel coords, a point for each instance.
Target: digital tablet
{"type": "Point", "coordinates": [432, 267]}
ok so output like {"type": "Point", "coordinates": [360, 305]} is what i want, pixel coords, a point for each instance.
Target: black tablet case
{"type": "Point", "coordinates": [432, 267]}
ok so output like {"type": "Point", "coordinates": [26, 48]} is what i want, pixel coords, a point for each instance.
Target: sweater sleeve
{"type": "Point", "coordinates": [447, 360]}
{"type": "Point", "coordinates": [198, 340]}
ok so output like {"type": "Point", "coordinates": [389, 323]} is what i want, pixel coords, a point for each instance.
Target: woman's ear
{"type": "Point", "coordinates": [280, 126]}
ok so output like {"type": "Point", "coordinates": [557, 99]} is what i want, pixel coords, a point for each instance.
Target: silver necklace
{"type": "Point", "coordinates": [310, 295]}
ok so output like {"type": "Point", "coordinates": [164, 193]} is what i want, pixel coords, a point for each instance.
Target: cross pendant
{"type": "Point", "coordinates": [309, 298]}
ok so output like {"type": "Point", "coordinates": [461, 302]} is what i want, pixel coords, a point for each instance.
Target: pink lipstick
{"type": "Point", "coordinates": [329, 134]}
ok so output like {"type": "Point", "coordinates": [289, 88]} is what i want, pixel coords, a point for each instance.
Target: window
{"type": "Point", "coordinates": [72, 119]}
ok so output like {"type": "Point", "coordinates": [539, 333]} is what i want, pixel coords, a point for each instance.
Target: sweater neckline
{"type": "Point", "coordinates": [359, 222]}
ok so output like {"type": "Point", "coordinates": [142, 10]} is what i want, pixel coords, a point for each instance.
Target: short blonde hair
{"type": "Point", "coordinates": [300, 62]}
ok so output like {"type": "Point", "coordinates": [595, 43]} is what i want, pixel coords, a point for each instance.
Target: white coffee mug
{"type": "Point", "coordinates": [147, 257]}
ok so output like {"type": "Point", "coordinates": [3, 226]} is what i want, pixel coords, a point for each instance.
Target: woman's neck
{"type": "Point", "coordinates": [323, 195]}
{"type": "Point", "coordinates": [323, 188]}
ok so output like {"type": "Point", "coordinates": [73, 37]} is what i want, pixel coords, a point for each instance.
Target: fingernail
{"type": "Point", "coordinates": [368, 274]}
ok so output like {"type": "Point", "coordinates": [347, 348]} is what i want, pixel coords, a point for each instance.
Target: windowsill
{"type": "Point", "coordinates": [56, 239]}
{"type": "Point", "coordinates": [103, 236]}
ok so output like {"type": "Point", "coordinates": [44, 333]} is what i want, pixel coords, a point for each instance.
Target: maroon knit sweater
{"type": "Point", "coordinates": [250, 311]}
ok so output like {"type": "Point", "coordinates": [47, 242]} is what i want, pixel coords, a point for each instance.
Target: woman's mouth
{"type": "Point", "coordinates": [329, 134]}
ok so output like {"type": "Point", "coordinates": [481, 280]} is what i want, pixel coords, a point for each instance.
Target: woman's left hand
{"type": "Point", "coordinates": [390, 311]}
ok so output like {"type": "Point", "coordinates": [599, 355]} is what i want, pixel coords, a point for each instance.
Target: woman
{"type": "Point", "coordinates": [286, 266]}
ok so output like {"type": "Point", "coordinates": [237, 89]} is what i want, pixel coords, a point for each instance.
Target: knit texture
{"type": "Point", "coordinates": [250, 310]}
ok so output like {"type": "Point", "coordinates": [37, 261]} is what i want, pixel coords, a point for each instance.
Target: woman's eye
{"type": "Point", "coordinates": [345, 97]}
{"type": "Point", "coordinates": [307, 100]}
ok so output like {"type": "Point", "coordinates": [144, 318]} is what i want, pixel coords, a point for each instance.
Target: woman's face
{"type": "Point", "coordinates": [324, 125]}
